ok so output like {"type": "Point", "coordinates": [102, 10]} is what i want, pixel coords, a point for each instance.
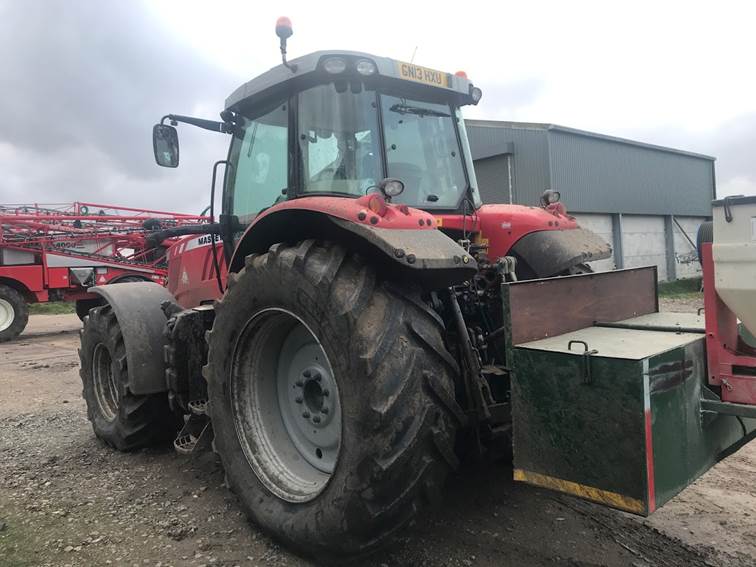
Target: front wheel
{"type": "Point", "coordinates": [331, 399]}
{"type": "Point", "coordinates": [14, 313]}
{"type": "Point", "coordinates": [121, 419]}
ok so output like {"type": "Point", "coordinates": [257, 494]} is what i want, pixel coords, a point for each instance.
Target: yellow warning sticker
{"type": "Point", "coordinates": [588, 492]}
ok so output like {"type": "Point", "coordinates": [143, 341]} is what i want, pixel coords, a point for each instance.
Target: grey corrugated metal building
{"type": "Point", "coordinates": [647, 200]}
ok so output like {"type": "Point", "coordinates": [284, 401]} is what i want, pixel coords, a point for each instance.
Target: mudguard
{"type": "Point", "coordinates": [552, 252]}
{"type": "Point", "coordinates": [137, 309]}
{"type": "Point", "coordinates": [405, 242]}
{"type": "Point", "coordinates": [431, 256]}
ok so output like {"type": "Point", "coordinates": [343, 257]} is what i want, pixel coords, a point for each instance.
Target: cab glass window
{"type": "Point", "coordinates": [423, 151]}
{"type": "Point", "coordinates": [258, 175]}
{"type": "Point", "coordinates": [338, 140]}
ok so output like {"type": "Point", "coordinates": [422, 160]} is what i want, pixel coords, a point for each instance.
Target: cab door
{"type": "Point", "coordinates": [257, 175]}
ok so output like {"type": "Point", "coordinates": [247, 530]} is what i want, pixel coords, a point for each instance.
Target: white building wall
{"type": "Point", "coordinates": [601, 225]}
{"type": "Point", "coordinates": [644, 243]}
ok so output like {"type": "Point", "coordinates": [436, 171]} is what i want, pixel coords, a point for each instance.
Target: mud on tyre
{"type": "Point", "coordinates": [121, 419]}
{"type": "Point", "coordinates": [300, 320]}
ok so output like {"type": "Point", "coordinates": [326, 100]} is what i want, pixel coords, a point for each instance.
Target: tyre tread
{"type": "Point", "coordinates": [410, 429]}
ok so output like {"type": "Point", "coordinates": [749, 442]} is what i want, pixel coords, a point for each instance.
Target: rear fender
{"type": "Point", "coordinates": [137, 307]}
{"type": "Point", "coordinates": [553, 252]}
{"type": "Point", "coordinates": [398, 242]}
{"type": "Point", "coordinates": [547, 242]}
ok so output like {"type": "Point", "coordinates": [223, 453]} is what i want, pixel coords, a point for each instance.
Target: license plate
{"type": "Point", "coordinates": [412, 72]}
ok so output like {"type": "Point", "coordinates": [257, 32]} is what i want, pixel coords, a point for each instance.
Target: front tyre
{"type": "Point", "coordinates": [121, 419]}
{"type": "Point", "coordinates": [331, 399]}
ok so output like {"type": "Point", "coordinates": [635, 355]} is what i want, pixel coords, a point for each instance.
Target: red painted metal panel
{"type": "Point", "coordinates": [501, 226]}
{"type": "Point", "coordinates": [29, 276]}
{"type": "Point", "coordinates": [650, 479]}
{"type": "Point", "coordinates": [382, 215]}
{"type": "Point", "coordinates": [192, 279]}
{"type": "Point", "coordinates": [57, 278]}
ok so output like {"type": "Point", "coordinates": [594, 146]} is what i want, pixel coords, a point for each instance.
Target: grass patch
{"type": "Point", "coordinates": [680, 288]}
{"type": "Point", "coordinates": [17, 543]}
{"type": "Point", "coordinates": [52, 308]}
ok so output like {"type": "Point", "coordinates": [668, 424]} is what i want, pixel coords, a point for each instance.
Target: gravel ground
{"type": "Point", "coordinates": [66, 499]}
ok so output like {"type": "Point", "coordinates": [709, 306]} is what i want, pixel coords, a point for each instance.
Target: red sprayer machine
{"type": "Point", "coordinates": [55, 252]}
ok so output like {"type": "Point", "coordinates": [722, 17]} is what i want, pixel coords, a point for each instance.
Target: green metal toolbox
{"type": "Point", "coordinates": [612, 412]}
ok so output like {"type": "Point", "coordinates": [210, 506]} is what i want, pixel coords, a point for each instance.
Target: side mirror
{"type": "Point", "coordinates": [165, 144]}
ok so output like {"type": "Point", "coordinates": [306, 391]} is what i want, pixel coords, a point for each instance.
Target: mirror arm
{"type": "Point", "coordinates": [212, 125]}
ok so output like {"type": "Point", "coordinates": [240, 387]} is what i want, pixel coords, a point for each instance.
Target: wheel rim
{"type": "Point", "coordinates": [286, 405]}
{"type": "Point", "coordinates": [7, 314]}
{"type": "Point", "coordinates": [105, 387]}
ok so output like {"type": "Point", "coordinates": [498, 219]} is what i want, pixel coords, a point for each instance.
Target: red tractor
{"type": "Point", "coordinates": [337, 335]}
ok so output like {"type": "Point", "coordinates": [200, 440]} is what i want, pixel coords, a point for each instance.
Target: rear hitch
{"type": "Point", "coordinates": [473, 382]}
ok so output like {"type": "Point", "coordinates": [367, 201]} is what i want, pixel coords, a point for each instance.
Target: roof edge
{"type": "Point", "coordinates": [626, 141]}
{"type": "Point", "coordinates": [585, 133]}
{"type": "Point", "coordinates": [507, 123]}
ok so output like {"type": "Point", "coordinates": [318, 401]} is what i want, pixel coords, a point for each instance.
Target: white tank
{"type": "Point", "coordinates": [734, 253]}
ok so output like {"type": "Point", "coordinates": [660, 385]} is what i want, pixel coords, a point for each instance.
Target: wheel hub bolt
{"type": "Point", "coordinates": [306, 373]}
{"type": "Point", "coordinates": [317, 377]}
{"type": "Point", "coordinates": [298, 399]}
{"type": "Point", "coordinates": [316, 419]}
{"type": "Point", "coordinates": [299, 383]}
{"type": "Point", "coordinates": [324, 410]}
{"type": "Point", "coordinates": [306, 415]}
{"type": "Point", "coordinates": [326, 393]}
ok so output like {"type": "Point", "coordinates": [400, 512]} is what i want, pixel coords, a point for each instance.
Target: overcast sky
{"type": "Point", "coordinates": [83, 81]}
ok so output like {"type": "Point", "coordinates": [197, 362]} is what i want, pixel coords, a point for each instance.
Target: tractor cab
{"type": "Point", "coordinates": [337, 123]}
{"type": "Point", "coordinates": [343, 121]}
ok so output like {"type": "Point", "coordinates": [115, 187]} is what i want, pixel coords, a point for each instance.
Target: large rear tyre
{"type": "Point", "coordinates": [121, 419]}
{"type": "Point", "coordinates": [14, 313]}
{"type": "Point", "coordinates": [331, 396]}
